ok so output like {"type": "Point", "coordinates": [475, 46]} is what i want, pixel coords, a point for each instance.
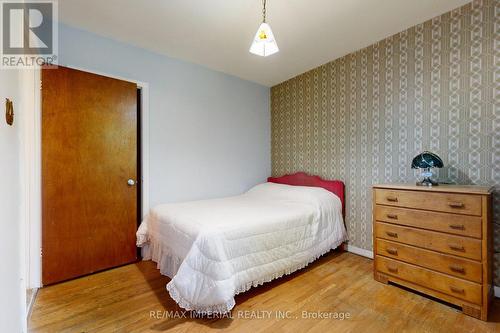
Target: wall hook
{"type": "Point", "coordinates": [9, 112]}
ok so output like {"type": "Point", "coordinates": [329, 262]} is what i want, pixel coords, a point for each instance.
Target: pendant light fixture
{"type": "Point", "coordinates": [264, 43]}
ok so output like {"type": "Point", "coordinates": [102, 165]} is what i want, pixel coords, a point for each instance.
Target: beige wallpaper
{"type": "Point", "coordinates": [363, 117]}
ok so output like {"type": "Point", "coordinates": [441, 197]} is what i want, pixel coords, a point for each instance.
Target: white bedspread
{"type": "Point", "coordinates": [215, 249]}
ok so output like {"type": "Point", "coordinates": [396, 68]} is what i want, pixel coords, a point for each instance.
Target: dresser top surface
{"type": "Point", "coordinates": [467, 189]}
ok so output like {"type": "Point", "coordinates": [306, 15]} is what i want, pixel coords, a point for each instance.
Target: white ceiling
{"type": "Point", "coordinates": [218, 33]}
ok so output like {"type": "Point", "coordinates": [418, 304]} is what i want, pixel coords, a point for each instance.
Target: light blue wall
{"type": "Point", "coordinates": [209, 132]}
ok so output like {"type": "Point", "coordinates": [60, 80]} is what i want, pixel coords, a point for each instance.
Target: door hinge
{"type": "Point", "coordinates": [41, 252]}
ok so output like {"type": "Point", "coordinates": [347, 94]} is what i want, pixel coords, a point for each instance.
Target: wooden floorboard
{"type": "Point", "coordinates": [123, 300]}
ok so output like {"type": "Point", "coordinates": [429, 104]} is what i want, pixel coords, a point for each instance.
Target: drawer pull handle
{"type": "Point", "coordinates": [456, 247]}
{"type": "Point", "coordinates": [457, 226]}
{"type": "Point", "coordinates": [392, 234]}
{"type": "Point", "coordinates": [392, 269]}
{"type": "Point", "coordinates": [391, 250]}
{"type": "Point", "coordinates": [457, 290]}
{"type": "Point", "coordinates": [392, 199]}
{"type": "Point", "coordinates": [457, 268]}
{"type": "Point", "coordinates": [456, 204]}
{"type": "Point", "coordinates": [392, 216]}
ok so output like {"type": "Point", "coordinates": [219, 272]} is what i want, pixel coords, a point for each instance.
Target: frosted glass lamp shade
{"type": "Point", "coordinates": [264, 43]}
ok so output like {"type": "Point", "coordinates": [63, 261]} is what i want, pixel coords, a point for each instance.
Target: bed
{"type": "Point", "coordinates": [215, 249]}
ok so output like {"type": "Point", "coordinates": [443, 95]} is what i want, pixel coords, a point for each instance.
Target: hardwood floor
{"type": "Point", "coordinates": [133, 299]}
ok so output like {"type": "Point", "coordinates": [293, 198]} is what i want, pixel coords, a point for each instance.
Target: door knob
{"type": "Point", "coordinates": [131, 182]}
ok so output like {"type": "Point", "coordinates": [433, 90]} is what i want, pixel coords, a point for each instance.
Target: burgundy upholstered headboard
{"type": "Point", "coordinates": [303, 179]}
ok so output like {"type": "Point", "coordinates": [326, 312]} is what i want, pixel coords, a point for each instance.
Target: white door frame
{"type": "Point", "coordinates": [32, 141]}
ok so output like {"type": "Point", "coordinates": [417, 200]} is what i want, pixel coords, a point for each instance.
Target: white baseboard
{"type": "Point", "coordinates": [497, 292]}
{"type": "Point", "coordinates": [31, 301]}
{"type": "Point", "coordinates": [360, 251]}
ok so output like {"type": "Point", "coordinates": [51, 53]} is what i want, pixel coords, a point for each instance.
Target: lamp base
{"type": "Point", "coordinates": [427, 182]}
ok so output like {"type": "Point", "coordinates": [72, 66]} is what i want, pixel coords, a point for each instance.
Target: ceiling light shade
{"type": "Point", "coordinates": [264, 43]}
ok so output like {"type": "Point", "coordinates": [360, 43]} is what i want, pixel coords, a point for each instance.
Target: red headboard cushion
{"type": "Point", "coordinates": [303, 179]}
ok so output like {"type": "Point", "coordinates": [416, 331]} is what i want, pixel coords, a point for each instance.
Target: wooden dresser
{"type": "Point", "coordinates": [437, 241]}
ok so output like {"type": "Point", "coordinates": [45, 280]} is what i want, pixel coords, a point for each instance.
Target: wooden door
{"type": "Point", "coordinates": [89, 152]}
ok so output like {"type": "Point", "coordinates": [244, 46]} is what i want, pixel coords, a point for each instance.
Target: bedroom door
{"type": "Point", "coordinates": [89, 172]}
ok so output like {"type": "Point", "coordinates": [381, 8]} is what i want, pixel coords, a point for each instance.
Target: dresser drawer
{"type": "Point", "coordinates": [465, 290]}
{"type": "Point", "coordinates": [463, 225]}
{"type": "Point", "coordinates": [456, 245]}
{"type": "Point", "coordinates": [442, 202]}
{"type": "Point", "coordinates": [462, 268]}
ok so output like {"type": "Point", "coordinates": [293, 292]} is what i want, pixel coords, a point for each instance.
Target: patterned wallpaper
{"type": "Point", "coordinates": [363, 117]}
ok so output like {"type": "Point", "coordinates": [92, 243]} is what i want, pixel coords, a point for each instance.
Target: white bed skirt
{"type": "Point", "coordinates": [165, 260]}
